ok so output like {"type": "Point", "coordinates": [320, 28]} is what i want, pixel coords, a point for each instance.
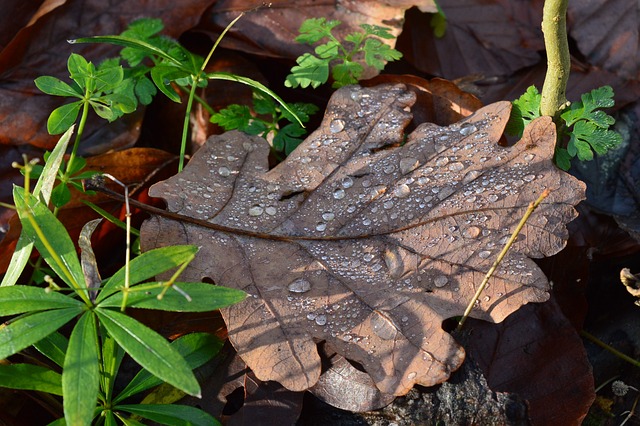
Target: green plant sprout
{"type": "Point", "coordinates": [173, 66]}
{"type": "Point", "coordinates": [282, 138]}
{"type": "Point", "coordinates": [342, 58]}
{"type": "Point", "coordinates": [584, 125]}
{"type": "Point", "coordinates": [87, 366]}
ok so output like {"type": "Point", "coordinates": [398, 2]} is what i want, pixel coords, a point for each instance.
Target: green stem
{"type": "Point", "coordinates": [204, 104]}
{"type": "Point", "coordinates": [192, 93]}
{"type": "Point", "coordinates": [185, 125]}
{"type": "Point", "coordinates": [611, 349]}
{"type": "Point", "coordinates": [554, 27]}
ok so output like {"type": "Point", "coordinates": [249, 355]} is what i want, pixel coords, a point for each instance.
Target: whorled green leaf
{"type": "Point", "coordinates": [310, 71]}
{"type": "Point", "coordinates": [204, 297]}
{"type": "Point", "coordinates": [51, 239]}
{"type": "Point", "coordinates": [81, 372]}
{"type": "Point", "coordinates": [150, 350]}
{"type": "Point", "coordinates": [148, 265]}
{"type": "Point", "coordinates": [62, 118]}
{"type": "Point", "coordinates": [19, 299]}
{"type": "Point", "coordinates": [174, 415]}
{"type": "Point", "coordinates": [79, 69]}
{"type": "Point", "coordinates": [26, 330]}
{"type": "Point", "coordinates": [30, 377]}
{"type": "Point", "coordinates": [195, 348]}
{"type": "Point", "coordinates": [54, 347]}
{"type": "Point", "coordinates": [56, 87]}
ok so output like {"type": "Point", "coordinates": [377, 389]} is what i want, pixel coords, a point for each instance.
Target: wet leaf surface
{"type": "Point", "coordinates": [366, 244]}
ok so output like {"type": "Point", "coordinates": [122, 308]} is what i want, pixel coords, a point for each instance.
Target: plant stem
{"type": "Point", "coordinates": [554, 27]}
{"type": "Point", "coordinates": [611, 349]}
{"type": "Point", "coordinates": [503, 253]}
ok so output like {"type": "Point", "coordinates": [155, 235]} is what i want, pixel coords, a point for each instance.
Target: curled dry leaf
{"type": "Point", "coordinates": [365, 243]}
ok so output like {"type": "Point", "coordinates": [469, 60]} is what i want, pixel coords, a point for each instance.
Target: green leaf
{"type": "Point", "coordinates": [112, 356]}
{"type": "Point", "coordinates": [60, 195]}
{"type": "Point", "coordinates": [233, 117]}
{"type": "Point", "coordinates": [62, 118]}
{"type": "Point", "coordinates": [438, 23]}
{"type": "Point", "coordinates": [54, 347]}
{"type": "Point", "coordinates": [174, 415]}
{"type": "Point", "coordinates": [27, 329]}
{"type": "Point", "coordinates": [56, 249]}
{"type": "Point", "coordinates": [131, 42]}
{"type": "Point", "coordinates": [148, 265]}
{"type": "Point", "coordinates": [111, 218]}
{"type": "Point", "coordinates": [288, 138]}
{"type": "Point", "coordinates": [108, 78]}
{"type": "Point", "coordinates": [79, 69]}
{"type": "Point", "coordinates": [195, 348]}
{"type": "Point", "coordinates": [315, 29]}
{"type": "Point", "coordinates": [56, 87]}
{"type": "Point", "coordinates": [145, 90]}
{"type": "Point", "coordinates": [346, 73]}
{"type": "Point", "coordinates": [30, 377]}
{"type": "Point", "coordinates": [19, 299]}
{"type": "Point", "coordinates": [150, 350]}
{"type": "Point", "coordinates": [328, 51]}
{"type": "Point", "coordinates": [310, 71]}
{"type": "Point", "coordinates": [255, 85]}
{"type": "Point", "coordinates": [43, 189]}
{"type": "Point", "coordinates": [525, 109]}
{"type": "Point", "coordinates": [204, 297]}
{"type": "Point", "coordinates": [264, 105]}
{"type": "Point", "coordinates": [376, 53]}
{"type": "Point", "coordinates": [162, 76]}
{"type": "Point", "coordinates": [587, 108]}
{"type": "Point", "coordinates": [81, 372]}
{"type": "Point", "coordinates": [303, 111]}
{"type": "Point", "coordinates": [603, 140]}
{"type": "Point", "coordinates": [378, 31]}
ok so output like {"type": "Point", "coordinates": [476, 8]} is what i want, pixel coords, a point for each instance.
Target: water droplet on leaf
{"type": "Point", "coordinates": [299, 286]}
{"type": "Point", "coordinates": [336, 126]}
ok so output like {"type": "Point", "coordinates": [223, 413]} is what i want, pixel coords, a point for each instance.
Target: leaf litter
{"type": "Point", "coordinates": [366, 242]}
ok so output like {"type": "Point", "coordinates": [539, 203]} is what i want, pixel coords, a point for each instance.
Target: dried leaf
{"type": "Point", "coordinates": [606, 32]}
{"type": "Point", "coordinates": [366, 245]}
{"type": "Point", "coordinates": [343, 386]}
{"type": "Point", "coordinates": [486, 36]}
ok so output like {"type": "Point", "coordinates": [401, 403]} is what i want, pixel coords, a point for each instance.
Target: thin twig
{"type": "Point", "coordinates": [514, 235]}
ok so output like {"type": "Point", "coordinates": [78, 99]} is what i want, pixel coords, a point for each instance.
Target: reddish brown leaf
{"type": "Point", "coordinates": [607, 33]}
{"type": "Point", "coordinates": [366, 246]}
{"type": "Point", "coordinates": [438, 101]}
{"type": "Point", "coordinates": [482, 37]}
{"type": "Point", "coordinates": [537, 354]}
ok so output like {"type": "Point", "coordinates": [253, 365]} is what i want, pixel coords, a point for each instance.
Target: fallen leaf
{"type": "Point", "coordinates": [482, 37]}
{"type": "Point", "coordinates": [537, 354]}
{"type": "Point", "coordinates": [364, 243]}
{"type": "Point", "coordinates": [606, 33]}
{"type": "Point", "coordinates": [343, 386]}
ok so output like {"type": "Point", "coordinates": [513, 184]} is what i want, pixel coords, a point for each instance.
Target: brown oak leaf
{"type": "Point", "coordinates": [364, 241]}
